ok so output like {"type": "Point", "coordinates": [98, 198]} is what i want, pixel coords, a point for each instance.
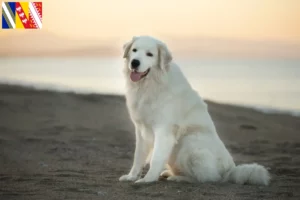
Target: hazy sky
{"type": "Point", "coordinates": [104, 19]}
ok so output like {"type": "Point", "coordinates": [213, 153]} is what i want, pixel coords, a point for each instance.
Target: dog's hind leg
{"type": "Point", "coordinates": [167, 172]}
{"type": "Point", "coordinates": [203, 166]}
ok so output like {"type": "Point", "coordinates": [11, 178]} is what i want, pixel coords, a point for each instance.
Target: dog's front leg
{"type": "Point", "coordinates": [142, 149]}
{"type": "Point", "coordinates": [164, 142]}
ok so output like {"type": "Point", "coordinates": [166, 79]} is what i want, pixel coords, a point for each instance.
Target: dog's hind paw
{"type": "Point", "coordinates": [166, 173]}
{"type": "Point", "coordinates": [180, 179]}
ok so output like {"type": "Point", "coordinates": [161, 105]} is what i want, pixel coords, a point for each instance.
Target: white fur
{"type": "Point", "coordinates": [173, 126]}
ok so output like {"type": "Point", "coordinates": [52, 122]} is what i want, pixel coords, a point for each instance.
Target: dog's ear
{"type": "Point", "coordinates": [127, 46]}
{"type": "Point", "coordinates": [165, 56]}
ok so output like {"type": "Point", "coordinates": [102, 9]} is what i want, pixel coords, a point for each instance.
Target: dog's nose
{"type": "Point", "coordinates": [135, 64]}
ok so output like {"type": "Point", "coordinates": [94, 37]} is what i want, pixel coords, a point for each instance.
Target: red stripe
{"type": "Point", "coordinates": [22, 15]}
{"type": "Point", "coordinates": [39, 8]}
{"type": "Point", "coordinates": [33, 24]}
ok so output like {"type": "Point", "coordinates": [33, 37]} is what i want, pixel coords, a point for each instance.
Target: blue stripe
{"type": "Point", "coordinates": [12, 6]}
{"type": "Point", "coordinates": [4, 23]}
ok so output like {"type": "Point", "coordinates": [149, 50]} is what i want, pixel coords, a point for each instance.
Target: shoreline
{"type": "Point", "coordinates": [85, 91]}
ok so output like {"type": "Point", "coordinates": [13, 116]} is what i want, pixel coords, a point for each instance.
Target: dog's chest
{"type": "Point", "coordinates": [143, 110]}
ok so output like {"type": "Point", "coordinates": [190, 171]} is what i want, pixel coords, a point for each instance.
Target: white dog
{"type": "Point", "coordinates": [172, 124]}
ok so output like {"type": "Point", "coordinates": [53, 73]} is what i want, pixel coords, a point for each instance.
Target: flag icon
{"type": "Point", "coordinates": [22, 15]}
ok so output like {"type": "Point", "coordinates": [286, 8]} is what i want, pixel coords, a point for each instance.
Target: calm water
{"type": "Point", "coordinates": [268, 84]}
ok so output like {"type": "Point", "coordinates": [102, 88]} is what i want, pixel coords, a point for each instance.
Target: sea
{"type": "Point", "coordinates": [271, 86]}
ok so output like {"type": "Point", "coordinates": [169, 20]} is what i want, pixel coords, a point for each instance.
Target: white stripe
{"type": "Point", "coordinates": [35, 15]}
{"type": "Point", "coordinates": [34, 6]}
{"type": "Point", "coordinates": [8, 15]}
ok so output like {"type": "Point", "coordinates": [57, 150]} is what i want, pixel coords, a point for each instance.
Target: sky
{"type": "Point", "coordinates": [246, 19]}
{"type": "Point", "coordinates": [249, 20]}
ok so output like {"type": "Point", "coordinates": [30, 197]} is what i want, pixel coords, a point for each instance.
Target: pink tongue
{"type": "Point", "coordinates": [135, 76]}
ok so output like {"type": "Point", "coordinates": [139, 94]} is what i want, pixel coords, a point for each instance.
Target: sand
{"type": "Point", "coordinates": [57, 145]}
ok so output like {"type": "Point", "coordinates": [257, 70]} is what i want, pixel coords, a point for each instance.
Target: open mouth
{"type": "Point", "coordinates": [136, 76]}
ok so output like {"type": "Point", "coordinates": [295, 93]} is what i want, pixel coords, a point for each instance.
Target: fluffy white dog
{"type": "Point", "coordinates": [172, 124]}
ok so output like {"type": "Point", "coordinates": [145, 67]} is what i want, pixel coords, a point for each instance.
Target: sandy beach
{"type": "Point", "coordinates": [56, 145]}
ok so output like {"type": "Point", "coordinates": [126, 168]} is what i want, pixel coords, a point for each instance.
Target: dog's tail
{"type": "Point", "coordinates": [249, 174]}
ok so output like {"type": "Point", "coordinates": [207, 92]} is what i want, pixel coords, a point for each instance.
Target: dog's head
{"type": "Point", "coordinates": [145, 54]}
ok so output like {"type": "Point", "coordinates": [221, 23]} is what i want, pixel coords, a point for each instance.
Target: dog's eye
{"type": "Point", "coordinates": [149, 54]}
{"type": "Point", "coordinates": [134, 50]}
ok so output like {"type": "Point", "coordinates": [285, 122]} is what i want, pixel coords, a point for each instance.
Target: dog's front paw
{"type": "Point", "coordinates": [145, 180]}
{"type": "Point", "coordinates": [128, 177]}
{"type": "Point", "coordinates": [142, 180]}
